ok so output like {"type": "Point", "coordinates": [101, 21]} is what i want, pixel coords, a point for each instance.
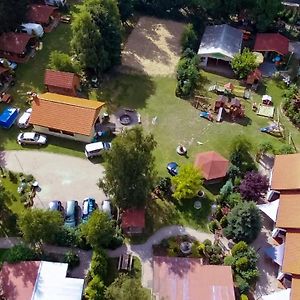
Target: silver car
{"type": "Point", "coordinates": [31, 138]}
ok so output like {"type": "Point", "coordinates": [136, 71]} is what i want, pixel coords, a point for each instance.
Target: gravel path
{"type": "Point", "coordinates": [60, 177]}
{"type": "Point", "coordinates": [144, 251]}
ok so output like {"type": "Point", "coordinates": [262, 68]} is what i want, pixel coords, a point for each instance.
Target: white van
{"type": "Point", "coordinates": [95, 149]}
{"type": "Point", "coordinates": [56, 2]}
{"type": "Point", "coordinates": [23, 121]}
{"type": "Point", "coordinates": [33, 29]}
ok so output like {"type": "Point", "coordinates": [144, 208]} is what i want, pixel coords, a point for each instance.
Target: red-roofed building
{"type": "Point", "coordinates": [47, 16]}
{"type": "Point", "coordinates": [254, 77]}
{"type": "Point", "coordinates": [18, 280]}
{"type": "Point", "coordinates": [133, 221]}
{"type": "Point", "coordinates": [17, 46]}
{"type": "Point", "coordinates": [212, 165]}
{"type": "Point", "coordinates": [64, 83]}
{"type": "Point", "coordinates": [180, 278]}
{"type": "Point", "coordinates": [271, 42]}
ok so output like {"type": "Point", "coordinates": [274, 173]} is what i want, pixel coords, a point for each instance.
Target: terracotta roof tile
{"type": "Point", "coordinates": [295, 291]}
{"type": "Point", "coordinates": [39, 13]}
{"type": "Point", "coordinates": [286, 172]}
{"type": "Point", "coordinates": [66, 113]}
{"type": "Point", "coordinates": [212, 165]}
{"type": "Point", "coordinates": [18, 280]}
{"type": "Point", "coordinates": [14, 42]}
{"type": "Point", "coordinates": [60, 79]}
{"type": "Point", "coordinates": [291, 259]}
{"type": "Point", "coordinates": [288, 211]}
{"type": "Point", "coordinates": [179, 278]}
{"type": "Point", "coordinates": [272, 42]}
{"type": "Point", "coordinates": [133, 218]}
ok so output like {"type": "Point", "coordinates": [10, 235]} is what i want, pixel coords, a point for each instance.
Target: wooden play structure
{"type": "Point", "coordinates": [232, 106]}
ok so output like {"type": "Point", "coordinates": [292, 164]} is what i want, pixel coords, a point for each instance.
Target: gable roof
{"type": "Point", "coordinates": [180, 278]}
{"type": "Point", "coordinates": [288, 211]}
{"type": "Point", "coordinates": [133, 218]}
{"type": "Point", "coordinates": [295, 289]}
{"type": "Point", "coordinates": [272, 42]}
{"type": "Point", "coordinates": [39, 13]}
{"type": "Point", "coordinates": [18, 280]}
{"type": "Point", "coordinates": [212, 165]}
{"type": "Point", "coordinates": [222, 39]}
{"type": "Point", "coordinates": [14, 42]}
{"type": "Point", "coordinates": [286, 172]}
{"type": "Point", "coordinates": [60, 79]}
{"type": "Point", "coordinates": [291, 259]}
{"type": "Point", "coordinates": [66, 113]}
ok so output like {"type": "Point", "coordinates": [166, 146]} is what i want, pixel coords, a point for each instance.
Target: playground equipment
{"type": "Point", "coordinates": [232, 105]}
{"type": "Point", "coordinates": [206, 115]}
{"type": "Point", "coordinates": [274, 129]}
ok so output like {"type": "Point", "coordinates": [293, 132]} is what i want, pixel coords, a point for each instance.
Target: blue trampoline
{"type": "Point", "coordinates": [8, 117]}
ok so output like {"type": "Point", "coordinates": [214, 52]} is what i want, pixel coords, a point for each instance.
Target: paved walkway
{"type": "Point", "coordinates": [60, 177]}
{"type": "Point", "coordinates": [144, 251]}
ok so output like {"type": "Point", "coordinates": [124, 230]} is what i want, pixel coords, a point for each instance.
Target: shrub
{"type": "Point", "coordinates": [215, 259]}
{"type": "Point", "coordinates": [229, 261]}
{"type": "Point", "coordinates": [95, 289]}
{"type": "Point", "coordinates": [213, 226]}
{"type": "Point", "coordinates": [207, 242]}
{"type": "Point", "coordinates": [62, 62]}
{"type": "Point", "coordinates": [244, 297]}
{"type": "Point", "coordinates": [12, 177]}
{"type": "Point", "coordinates": [223, 222]}
{"type": "Point", "coordinates": [72, 259]}
{"type": "Point", "coordinates": [29, 178]}
{"type": "Point", "coordinates": [116, 242]}
{"type": "Point", "coordinates": [285, 149]}
{"type": "Point", "coordinates": [99, 265]}
{"type": "Point", "coordinates": [201, 248]}
{"type": "Point", "coordinates": [234, 199]}
{"type": "Point", "coordinates": [20, 253]}
{"type": "Point", "coordinates": [226, 189]}
{"type": "Point", "coordinates": [195, 251]}
{"type": "Point", "coordinates": [66, 237]}
{"type": "Point", "coordinates": [189, 38]}
{"type": "Point", "coordinates": [242, 284]}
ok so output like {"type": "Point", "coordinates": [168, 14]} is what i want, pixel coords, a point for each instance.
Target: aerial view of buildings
{"type": "Point", "coordinates": [149, 150]}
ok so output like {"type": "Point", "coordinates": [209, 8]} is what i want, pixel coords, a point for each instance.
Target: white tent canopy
{"type": "Point", "coordinates": [281, 295]}
{"type": "Point", "coordinates": [270, 209]}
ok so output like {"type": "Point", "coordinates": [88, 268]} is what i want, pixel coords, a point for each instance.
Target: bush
{"type": "Point", "coordinates": [95, 289]}
{"type": "Point", "coordinates": [116, 242]}
{"type": "Point", "coordinates": [72, 259]}
{"type": "Point", "coordinates": [226, 189]}
{"type": "Point", "coordinates": [223, 222]}
{"type": "Point", "coordinates": [66, 237]}
{"type": "Point", "coordinates": [12, 177]}
{"type": "Point", "coordinates": [242, 284]}
{"type": "Point", "coordinates": [99, 265]}
{"type": "Point", "coordinates": [189, 38]}
{"type": "Point", "coordinates": [215, 259]}
{"type": "Point", "coordinates": [234, 199]}
{"type": "Point", "coordinates": [213, 226]}
{"type": "Point", "coordinates": [61, 62]}
{"type": "Point", "coordinates": [20, 253]}
{"type": "Point", "coordinates": [244, 297]}
{"type": "Point", "coordinates": [229, 261]}
{"type": "Point", "coordinates": [207, 242]}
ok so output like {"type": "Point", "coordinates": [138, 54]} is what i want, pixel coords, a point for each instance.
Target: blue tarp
{"type": "Point", "coordinates": [8, 117]}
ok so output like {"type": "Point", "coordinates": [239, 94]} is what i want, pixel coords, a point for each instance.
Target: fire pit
{"type": "Point", "coordinates": [125, 119]}
{"type": "Point", "coordinates": [186, 247]}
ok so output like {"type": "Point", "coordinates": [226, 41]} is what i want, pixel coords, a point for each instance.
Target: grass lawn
{"type": "Point", "coordinates": [14, 207]}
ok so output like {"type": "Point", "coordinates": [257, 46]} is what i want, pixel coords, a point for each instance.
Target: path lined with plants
{"type": "Point", "coordinates": [144, 251]}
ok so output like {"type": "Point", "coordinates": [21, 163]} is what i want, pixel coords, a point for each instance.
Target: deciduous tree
{"type": "Point", "coordinates": [60, 61]}
{"type": "Point", "coordinates": [187, 183]}
{"type": "Point", "coordinates": [95, 289]}
{"type": "Point", "coordinates": [126, 9]}
{"type": "Point", "coordinates": [244, 222]}
{"type": "Point", "coordinates": [129, 175]}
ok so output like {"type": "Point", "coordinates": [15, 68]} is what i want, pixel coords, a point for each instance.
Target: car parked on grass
{"type": "Point", "coordinates": [56, 205]}
{"type": "Point", "coordinates": [88, 206]}
{"type": "Point", "coordinates": [173, 168]}
{"type": "Point", "coordinates": [95, 149]}
{"type": "Point", "coordinates": [33, 138]}
{"type": "Point", "coordinates": [106, 207]}
{"type": "Point", "coordinates": [71, 213]}
{"type": "Point", "coordinates": [6, 63]}
{"type": "Point", "coordinates": [23, 121]}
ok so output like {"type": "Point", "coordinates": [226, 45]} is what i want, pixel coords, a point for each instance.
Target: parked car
{"type": "Point", "coordinates": [272, 195]}
{"type": "Point", "coordinates": [95, 149]}
{"type": "Point", "coordinates": [6, 63]}
{"type": "Point", "coordinates": [173, 168]}
{"type": "Point", "coordinates": [33, 138]}
{"type": "Point", "coordinates": [32, 29]}
{"type": "Point", "coordinates": [56, 205]}
{"type": "Point", "coordinates": [88, 206]}
{"type": "Point", "coordinates": [106, 207]}
{"type": "Point", "coordinates": [71, 213]}
{"type": "Point", "coordinates": [23, 121]}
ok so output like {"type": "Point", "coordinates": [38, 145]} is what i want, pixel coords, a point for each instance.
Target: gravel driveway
{"type": "Point", "coordinates": [60, 177]}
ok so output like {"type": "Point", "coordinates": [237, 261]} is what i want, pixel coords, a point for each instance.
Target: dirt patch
{"type": "Point", "coordinates": [153, 47]}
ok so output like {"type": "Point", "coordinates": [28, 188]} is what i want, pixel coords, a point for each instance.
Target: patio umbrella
{"type": "Point", "coordinates": [259, 58]}
{"type": "Point", "coordinates": [229, 86]}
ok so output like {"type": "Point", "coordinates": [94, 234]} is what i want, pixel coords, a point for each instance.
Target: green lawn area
{"type": "Point", "coordinates": [14, 207]}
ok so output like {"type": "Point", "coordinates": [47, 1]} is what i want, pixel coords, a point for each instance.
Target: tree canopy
{"type": "Point", "coordinates": [99, 230]}
{"type": "Point", "coordinates": [244, 63]}
{"type": "Point", "coordinates": [244, 222]}
{"type": "Point", "coordinates": [129, 175]}
{"type": "Point", "coordinates": [40, 226]}
{"type": "Point", "coordinates": [187, 183]}
{"type": "Point", "coordinates": [60, 61]}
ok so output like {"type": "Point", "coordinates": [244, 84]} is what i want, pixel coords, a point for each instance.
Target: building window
{"type": "Point", "coordinates": [54, 130]}
{"type": "Point", "coordinates": [67, 133]}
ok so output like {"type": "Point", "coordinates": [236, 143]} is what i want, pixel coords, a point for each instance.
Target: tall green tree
{"type": "Point", "coordinates": [187, 183]}
{"type": "Point", "coordinates": [87, 43]}
{"type": "Point", "coordinates": [126, 288]}
{"type": "Point", "coordinates": [12, 14]}
{"type": "Point", "coordinates": [99, 230]}
{"type": "Point", "coordinates": [129, 175]}
{"type": "Point", "coordinates": [40, 226]}
{"type": "Point", "coordinates": [126, 8]}
{"type": "Point", "coordinates": [95, 289]}
{"type": "Point", "coordinates": [244, 63]}
{"type": "Point", "coordinates": [244, 222]}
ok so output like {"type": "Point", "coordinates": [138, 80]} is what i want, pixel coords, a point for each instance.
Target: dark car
{"type": "Point", "coordinates": [173, 168]}
{"type": "Point", "coordinates": [88, 206]}
{"type": "Point", "coordinates": [55, 206]}
{"type": "Point", "coordinates": [71, 213]}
